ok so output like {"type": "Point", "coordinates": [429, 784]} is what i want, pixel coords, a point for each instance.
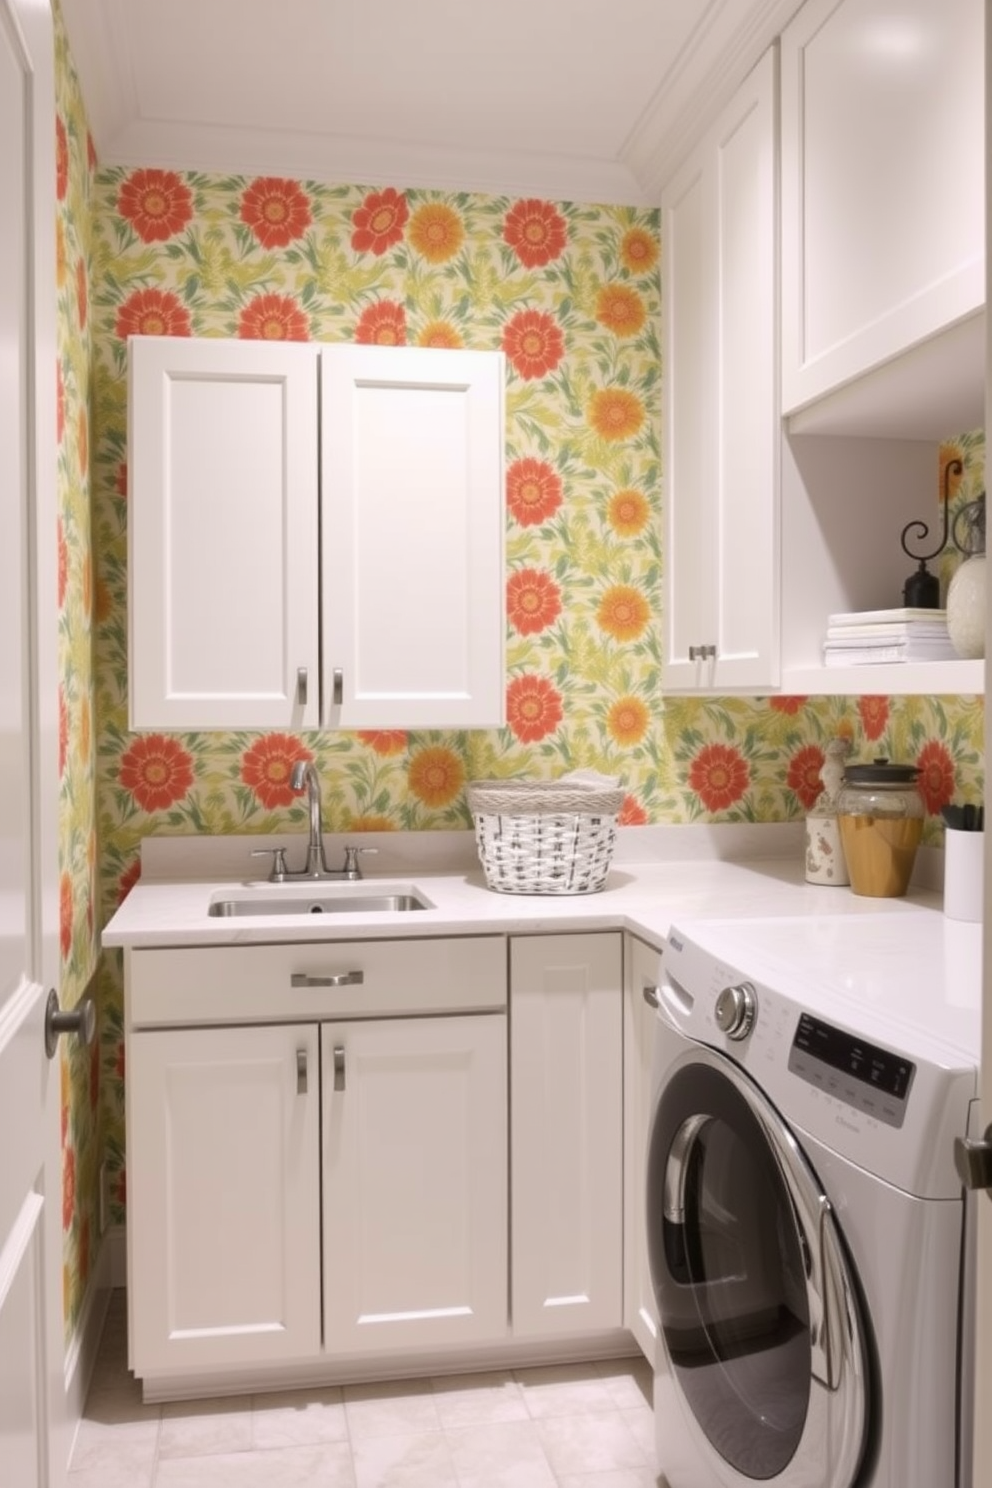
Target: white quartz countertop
{"type": "Point", "coordinates": [169, 906]}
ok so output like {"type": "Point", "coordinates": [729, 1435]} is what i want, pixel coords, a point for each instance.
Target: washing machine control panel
{"type": "Point", "coordinates": [850, 1069]}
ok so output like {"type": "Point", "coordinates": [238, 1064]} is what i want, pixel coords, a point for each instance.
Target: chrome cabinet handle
{"type": "Point", "coordinates": [702, 653]}
{"type": "Point", "coordinates": [338, 687]}
{"type": "Point", "coordinates": [339, 1066]}
{"type": "Point", "coordinates": [301, 686]}
{"type": "Point", "coordinates": [301, 1071]}
{"type": "Point", "coordinates": [650, 995]}
{"type": "Point", "coordinates": [341, 979]}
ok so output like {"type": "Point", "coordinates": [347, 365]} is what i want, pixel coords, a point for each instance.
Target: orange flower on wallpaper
{"type": "Point", "coordinates": [68, 1187]}
{"type": "Point", "coordinates": [638, 250]}
{"type": "Point", "coordinates": [383, 324]}
{"type": "Point", "coordinates": [437, 232]}
{"type": "Point", "coordinates": [384, 741]}
{"type": "Point", "coordinates": [620, 309]}
{"type": "Point", "coordinates": [272, 317]}
{"type": "Point", "coordinates": [719, 775]}
{"type": "Point", "coordinates": [533, 708]}
{"type": "Point", "coordinates": [791, 704]}
{"type": "Point", "coordinates": [874, 714]}
{"type": "Point", "coordinates": [623, 612]}
{"type": "Point", "coordinates": [615, 413]}
{"type": "Point", "coordinates": [266, 766]}
{"type": "Point", "coordinates": [157, 204]}
{"type": "Point", "coordinates": [803, 775]}
{"type": "Point", "coordinates": [533, 343]}
{"type": "Point", "coordinates": [936, 778]}
{"type": "Point", "coordinates": [127, 880]}
{"type": "Point", "coordinates": [61, 159]}
{"type": "Point", "coordinates": [533, 491]}
{"type": "Point", "coordinates": [535, 231]}
{"type": "Point", "coordinates": [372, 824]}
{"type": "Point", "coordinates": [436, 775]}
{"type": "Point", "coordinates": [67, 912]}
{"type": "Point", "coordinates": [628, 512]}
{"type": "Point", "coordinates": [628, 720]}
{"type": "Point", "coordinates": [276, 211]}
{"type": "Point", "coordinates": [632, 813]}
{"type": "Point", "coordinates": [157, 771]}
{"type": "Point", "coordinates": [152, 312]}
{"type": "Point", "coordinates": [533, 601]}
{"type": "Point", "coordinates": [440, 333]}
{"type": "Point", "coordinates": [379, 222]}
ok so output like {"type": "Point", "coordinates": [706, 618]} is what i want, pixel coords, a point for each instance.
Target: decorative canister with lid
{"type": "Point", "coordinates": [824, 854]}
{"type": "Point", "coordinates": [880, 815]}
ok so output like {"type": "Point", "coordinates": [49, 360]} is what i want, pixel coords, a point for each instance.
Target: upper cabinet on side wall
{"type": "Point", "coordinates": [315, 536]}
{"type": "Point", "coordinates": [719, 229]}
{"type": "Point", "coordinates": [883, 222]}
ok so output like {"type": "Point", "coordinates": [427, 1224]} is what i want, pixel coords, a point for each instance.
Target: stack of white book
{"type": "Point", "coordinates": [867, 636]}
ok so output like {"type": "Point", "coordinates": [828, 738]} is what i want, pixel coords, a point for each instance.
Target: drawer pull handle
{"type": "Point", "coordinates": [339, 1066]}
{"type": "Point", "coordinates": [301, 686]}
{"type": "Point", "coordinates": [301, 1071]}
{"type": "Point", "coordinates": [337, 691]}
{"type": "Point", "coordinates": [342, 979]}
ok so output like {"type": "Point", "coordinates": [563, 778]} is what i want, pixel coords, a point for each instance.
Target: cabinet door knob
{"type": "Point", "coordinates": [301, 1071]}
{"type": "Point", "coordinates": [342, 979]}
{"type": "Point", "coordinates": [339, 1066]}
{"type": "Point", "coordinates": [81, 1021]}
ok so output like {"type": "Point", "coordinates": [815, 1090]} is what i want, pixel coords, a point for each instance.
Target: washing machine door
{"type": "Point", "coordinates": [760, 1317]}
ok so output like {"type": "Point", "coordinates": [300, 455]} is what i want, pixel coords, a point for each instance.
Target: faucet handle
{"type": "Point", "coordinates": [351, 864]}
{"type": "Point", "coordinates": [278, 854]}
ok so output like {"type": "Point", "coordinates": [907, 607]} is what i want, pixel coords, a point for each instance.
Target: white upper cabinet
{"type": "Point", "coordinates": [222, 534]}
{"type": "Point", "coordinates": [412, 537]}
{"type": "Point", "coordinates": [719, 233]}
{"type": "Point", "coordinates": [883, 221]}
{"type": "Point", "coordinates": [292, 504]}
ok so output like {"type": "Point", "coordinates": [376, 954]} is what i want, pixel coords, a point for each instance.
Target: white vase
{"type": "Point", "coordinates": [966, 608]}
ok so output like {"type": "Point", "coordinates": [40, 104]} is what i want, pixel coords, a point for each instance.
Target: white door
{"type": "Point", "coordinates": [566, 1133]}
{"type": "Point", "coordinates": [414, 1182]}
{"type": "Point", "coordinates": [642, 974]}
{"type": "Point", "coordinates": [412, 537]}
{"type": "Point", "coordinates": [222, 534]}
{"type": "Point", "coordinates": [33, 1430]}
{"type": "Point", "coordinates": [223, 1197]}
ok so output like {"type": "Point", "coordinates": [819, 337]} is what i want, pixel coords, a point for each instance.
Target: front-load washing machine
{"type": "Point", "coordinates": [810, 1245]}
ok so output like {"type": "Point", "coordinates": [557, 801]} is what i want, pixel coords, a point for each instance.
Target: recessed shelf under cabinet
{"type": "Point", "coordinates": [934, 678]}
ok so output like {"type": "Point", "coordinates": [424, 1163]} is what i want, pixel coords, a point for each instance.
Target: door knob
{"type": "Point", "coordinates": [81, 1021]}
{"type": "Point", "coordinates": [973, 1161]}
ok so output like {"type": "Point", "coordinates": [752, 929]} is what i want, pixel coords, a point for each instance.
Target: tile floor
{"type": "Point", "coordinates": [563, 1426]}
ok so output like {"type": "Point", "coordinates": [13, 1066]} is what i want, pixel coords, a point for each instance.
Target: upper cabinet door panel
{"type": "Point", "coordinates": [412, 537]}
{"type": "Point", "coordinates": [882, 191]}
{"type": "Point", "coordinates": [222, 530]}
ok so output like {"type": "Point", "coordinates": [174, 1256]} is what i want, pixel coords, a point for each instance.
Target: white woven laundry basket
{"type": "Point", "coordinates": [544, 836]}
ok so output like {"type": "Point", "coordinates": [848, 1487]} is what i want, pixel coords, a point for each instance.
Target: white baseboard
{"type": "Point", "coordinates": [83, 1346]}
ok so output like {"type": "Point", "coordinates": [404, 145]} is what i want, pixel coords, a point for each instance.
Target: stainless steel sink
{"type": "Point", "coordinates": [316, 903]}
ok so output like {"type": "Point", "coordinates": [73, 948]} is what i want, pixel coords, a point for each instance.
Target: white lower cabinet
{"type": "Point", "coordinates": [223, 1197]}
{"type": "Point", "coordinates": [566, 1133]}
{"type": "Point", "coordinates": [414, 1174]}
{"type": "Point", "coordinates": [642, 965]}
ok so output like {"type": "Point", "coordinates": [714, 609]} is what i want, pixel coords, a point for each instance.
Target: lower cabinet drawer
{"type": "Point", "coordinates": [339, 979]}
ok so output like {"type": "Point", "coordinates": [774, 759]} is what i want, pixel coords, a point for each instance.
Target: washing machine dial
{"type": "Point", "coordinates": [735, 1010]}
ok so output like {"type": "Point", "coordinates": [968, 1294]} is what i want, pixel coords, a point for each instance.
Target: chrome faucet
{"type": "Point", "coordinates": [304, 777]}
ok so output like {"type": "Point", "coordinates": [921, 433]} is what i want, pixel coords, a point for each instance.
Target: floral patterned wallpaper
{"type": "Point", "coordinates": [571, 293]}
{"type": "Point", "coordinates": [81, 1068]}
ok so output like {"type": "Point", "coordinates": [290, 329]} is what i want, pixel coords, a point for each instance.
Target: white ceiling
{"type": "Point", "coordinates": [584, 100]}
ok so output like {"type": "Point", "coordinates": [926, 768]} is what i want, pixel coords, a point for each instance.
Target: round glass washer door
{"type": "Point", "coordinates": [758, 1311]}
